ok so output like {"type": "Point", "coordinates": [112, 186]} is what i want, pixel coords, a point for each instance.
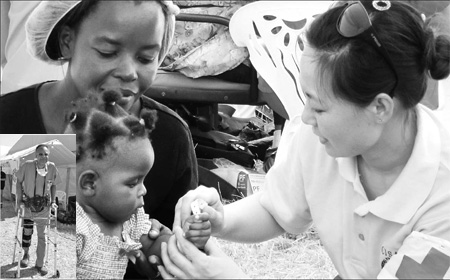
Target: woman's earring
{"type": "Point", "coordinates": [72, 117]}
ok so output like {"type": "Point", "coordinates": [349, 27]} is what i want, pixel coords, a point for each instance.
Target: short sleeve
{"type": "Point", "coordinates": [421, 256]}
{"type": "Point", "coordinates": [20, 174]}
{"type": "Point", "coordinates": [87, 235]}
{"type": "Point", "coordinates": [284, 192]}
{"type": "Point", "coordinates": [81, 240]}
{"type": "Point", "coordinates": [56, 177]}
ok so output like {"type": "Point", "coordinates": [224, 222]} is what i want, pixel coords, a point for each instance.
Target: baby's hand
{"type": "Point", "coordinates": [151, 242]}
{"type": "Point", "coordinates": [197, 229]}
{"type": "Point", "coordinates": [153, 247]}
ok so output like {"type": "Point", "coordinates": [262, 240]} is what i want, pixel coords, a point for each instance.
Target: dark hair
{"type": "Point", "coordinates": [97, 122]}
{"type": "Point", "coordinates": [359, 72]}
{"type": "Point", "coordinates": [40, 146]}
{"type": "Point", "coordinates": [81, 11]}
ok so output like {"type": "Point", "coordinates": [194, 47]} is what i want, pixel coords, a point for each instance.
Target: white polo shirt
{"type": "Point", "coordinates": [306, 185]}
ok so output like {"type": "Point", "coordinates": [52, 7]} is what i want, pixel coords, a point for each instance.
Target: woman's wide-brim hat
{"type": "Point", "coordinates": [41, 41]}
{"type": "Point", "coordinates": [42, 38]}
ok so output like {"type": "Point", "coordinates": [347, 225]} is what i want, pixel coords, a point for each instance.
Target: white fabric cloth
{"type": "Point", "coordinates": [244, 111]}
{"type": "Point", "coordinates": [19, 68]}
{"type": "Point", "coordinates": [306, 185]}
{"type": "Point", "coordinates": [443, 109]}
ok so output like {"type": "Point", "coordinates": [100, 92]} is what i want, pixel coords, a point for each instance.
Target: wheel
{"type": "Point", "coordinates": [57, 274]}
{"type": "Point", "coordinates": [15, 275]}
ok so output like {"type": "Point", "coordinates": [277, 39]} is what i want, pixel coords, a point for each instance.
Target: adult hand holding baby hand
{"type": "Point", "coordinates": [214, 208]}
{"type": "Point", "coordinates": [186, 261]}
{"type": "Point", "coordinates": [197, 229]}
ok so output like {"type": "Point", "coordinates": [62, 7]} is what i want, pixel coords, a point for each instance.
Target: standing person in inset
{"type": "Point", "coordinates": [36, 188]}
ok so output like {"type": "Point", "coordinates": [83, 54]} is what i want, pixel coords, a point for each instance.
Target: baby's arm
{"type": "Point", "coordinates": [197, 227]}
{"type": "Point", "coordinates": [151, 246]}
{"type": "Point", "coordinates": [151, 242]}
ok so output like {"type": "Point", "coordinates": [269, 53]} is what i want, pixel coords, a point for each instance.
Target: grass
{"type": "Point", "coordinates": [285, 257]}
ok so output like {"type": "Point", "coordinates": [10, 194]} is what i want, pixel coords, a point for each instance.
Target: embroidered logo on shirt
{"type": "Point", "coordinates": [386, 255]}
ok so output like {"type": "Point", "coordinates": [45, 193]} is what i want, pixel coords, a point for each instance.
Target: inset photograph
{"type": "Point", "coordinates": [37, 214]}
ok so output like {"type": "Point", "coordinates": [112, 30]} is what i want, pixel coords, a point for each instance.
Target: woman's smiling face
{"type": "Point", "coordinates": [342, 127]}
{"type": "Point", "coordinates": [116, 47]}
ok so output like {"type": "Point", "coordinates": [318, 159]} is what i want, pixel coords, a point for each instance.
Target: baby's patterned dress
{"type": "Point", "coordinates": [104, 257]}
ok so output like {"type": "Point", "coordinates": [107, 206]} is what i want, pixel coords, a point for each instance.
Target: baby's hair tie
{"type": "Point", "coordinates": [111, 96]}
{"type": "Point", "coordinates": [171, 7]}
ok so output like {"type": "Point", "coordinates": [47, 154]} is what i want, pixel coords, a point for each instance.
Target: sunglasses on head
{"type": "Point", "coordinates": [354, 21]}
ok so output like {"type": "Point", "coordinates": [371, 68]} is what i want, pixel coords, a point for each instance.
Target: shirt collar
{"type": "Point", "coordinates": [414, 184]}
{"type": "Point", "coordinates": [36, 164]}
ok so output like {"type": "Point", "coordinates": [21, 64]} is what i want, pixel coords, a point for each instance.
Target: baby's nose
{"type": "Point", "coordinates": [143, 190]}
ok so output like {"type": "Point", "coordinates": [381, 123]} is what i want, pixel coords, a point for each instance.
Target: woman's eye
{"type": "Point", "coordinates": [106, 54]}
{"type": "Point", "coordinates": [146, 60]}
{"type": "Point", "coordinates": [317, 111]}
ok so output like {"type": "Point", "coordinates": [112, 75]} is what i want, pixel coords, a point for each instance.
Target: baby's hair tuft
{"type": "Point", "coordinates": [98, 121]}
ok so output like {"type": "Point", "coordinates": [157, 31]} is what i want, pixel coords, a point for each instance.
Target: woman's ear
{"type": "Point", "coordinates": [87, 182]}
{"type": "Point", "coordinates": [382, 108]}
{"type": "Point", "coordinates": [66, 40]}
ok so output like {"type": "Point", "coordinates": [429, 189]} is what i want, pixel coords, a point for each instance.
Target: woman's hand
{"type": "Point", "coordinates": [214, 208]}
{"type": "Point", "coordinates": [194, 264]}
{"type": "Point", "coordinates": [147, 265]}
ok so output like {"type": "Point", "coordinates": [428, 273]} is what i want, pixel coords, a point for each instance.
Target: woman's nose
{"type": "Point", "coordinates": [307, 115]}
{"type": "Point", "coordinates": [127, 69]}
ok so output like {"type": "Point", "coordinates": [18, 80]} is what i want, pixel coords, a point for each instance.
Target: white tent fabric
{"type": "Point", "coordinates": [59, 154]}
{"type": "Point", "coordinates": [68, 140]}
{"type": "Point", "coordinates": [63, 158]}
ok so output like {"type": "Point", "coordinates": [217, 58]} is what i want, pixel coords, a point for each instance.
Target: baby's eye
{"type": "Point", "coordinates": [132, 184]}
